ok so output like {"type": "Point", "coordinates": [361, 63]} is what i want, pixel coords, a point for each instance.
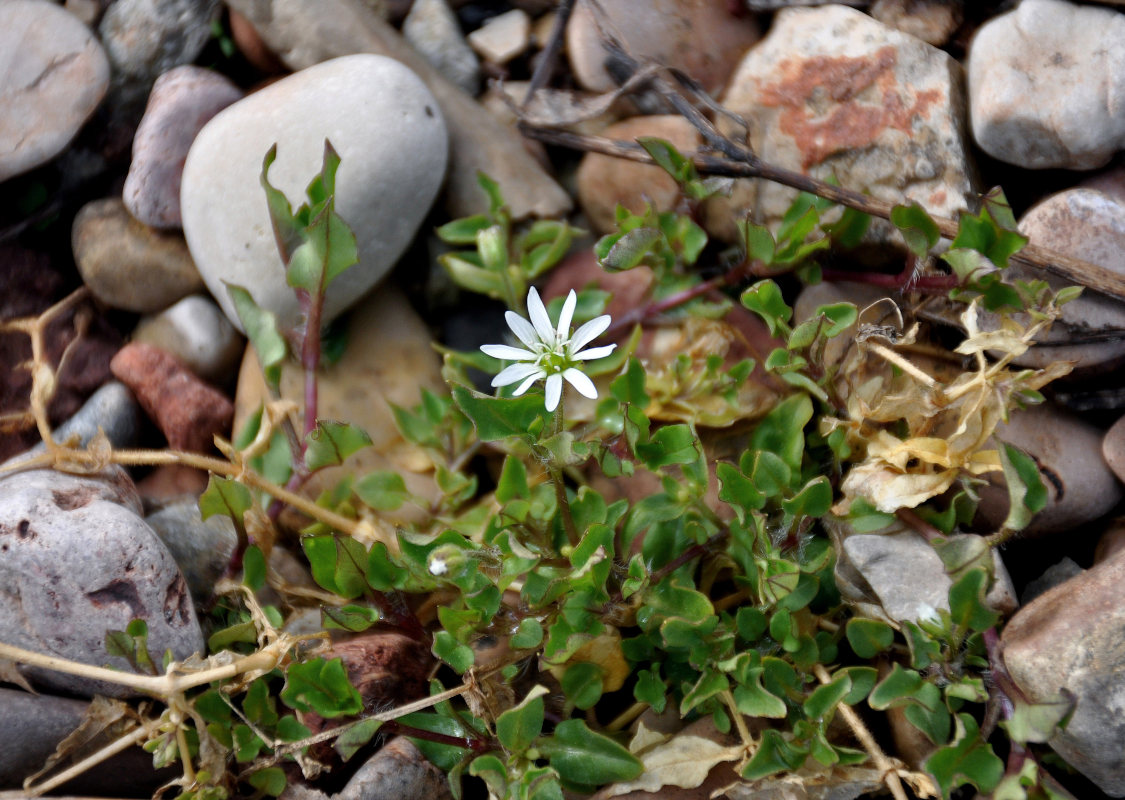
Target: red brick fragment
{"type": "Point", "coordinates": [188, 412]}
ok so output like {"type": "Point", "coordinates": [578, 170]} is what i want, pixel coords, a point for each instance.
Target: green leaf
{"type": "Point", "coordinates": [918, 228]}
{"type": "Point", "coordinates": [899, 687]}
{"type": "Point", "coordinates": [286, 227]}
{"type": "Point", "coordinates": [338, 563]}
{"type": "Point", "coordinates": [330, 443]}
{"type": "Point", "coordinates": [586, 758]}
{"type": "Point", "coordinates": [752, 699]}
{"type": "Point", "coordinates": [452, 652]}
{"type": "Point", "coordinates": [355, 737]}
{"type": "Point", "coordinates": [518, 727]}
{"type": "Point", "coordinates": [668, 158]}
{"type": "Point", "coordinates": [254, 568]}
{"type": "Point", "coordinates": [350, 617]}
{"type": "Point", "coordinates": [967, 605]}
{"type": "Point", "coordinates": [1027, 495]}
{"type": "Point", "coordinates": [513, 481]}
{"type": "Point", "coordinates": [650, 689]}
{"type": "Point", "coordinates": [381, 490]}
{"type": "Point", "coordinates": [582, 684]}
{"type": "Point", "coordinates": [529, 634]}
{"type": "Point", "coordinates": [225, 496]}
{"type": "Point", "coordinates": [782, 430]}
{"type": "Point", "coordinates": [670, 444]}
{"type": "Point", "coordinates": [751, 623]}
{"type": "Point", "coordinates": [764, 299]}
{"type": "Point", "coordinates": [814, 499]}
{"type": "Point", "coordinates": [382, 573]}
{"type": "Point", "coordinates": [498, 418]}
{"type": "Point", "coordinates": [492, 189]}
{"type": "Point", "coordinates": [757, 242]}
{"type": "Point", "coordinates": [321, 686]}
{"type": "Point", "coordinates": [737, 489]}
{"type": "Point", "coordinates": [826, 697]}
{"type": "Point", "coordinates": [934, 721]}
{"type": "Point", "coordinates": [444, 756]}
{"type": "Point", "coordinates": [869, 637]}
{"type": "Point", "coordinates": [629, 386]}
{"type": "Point", "coordinates": [710, 683]}
{"type": "Point", "coordinates": [967, 760]}
{"type": "Point", "coordinates": [771, 474]}
{"type": "Point", "coordinates": [773, 755]}
{"type": "Point", "coordinates": [863, 681]}
{"type": "Point", "coordinates": [1038, 722]}
{"type": "Point", "coordinates": [464, 230]}
{"type": "Point", "coordinates": [630, 249]}
{"type": "Point", "coordinates": [262, 331]}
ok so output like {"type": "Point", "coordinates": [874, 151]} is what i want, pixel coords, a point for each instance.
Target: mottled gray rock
{"type": "Point", "coordinates": [180, 104]}
{"type": "Point", "coordinates": [669, 32]}
{"type": "Point", "coordinates": [53, 74]}
{"type": "Point", "coordinates": [1052, 576]}
{"type": "Point", "coordinates": [905, 575]}
{"type": "Point", "coordinates": [128, 265]}
{"type": "Point", "coordinates": [77, 560]}
{"type": "Point", "coordinates": [1046, 85]}
{"type": "Point", "coordinates": [503, 37]}
{"type": "Point", "coordinates": [303, 34]}
{"type": "Point", "coordinates": [1070, 638]}
{"type": "Point", "coordinates": [832, 93]}
{"type": "Point", "coordinates": [35, 724]}
{"type": "Point", "coordinates": [398, 770]}
{"type": "Point", "coordinates": [389, 133]}
{"type": "Point", "coordinates": [1080, 485]}
{"type": "Point", "coordinates": [195, 331]}
{"type": "Point", "coordinates": [147, 37]}
{"type": "Point", "coordinates": [432, 29]}
{"type": "Point", "coordinates": [201, 548]}
{"type": "Point", "coordinates": [113, 408]}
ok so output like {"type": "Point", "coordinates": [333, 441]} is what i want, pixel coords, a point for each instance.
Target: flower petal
{"type": "Point", "coordinates": [578, 379]}
{"type": "Point", "coordinates": [554, 391]}
{"type": "Point", "coordinates": [507, 353]}
{"type": "Point", "coordinates": [566, 316]}
{"type": "Point", "coordinates": [539, 318]}
{"type": "Point", "coordinates": [516, 372]}
{"type": "Point", "coordinates": [595, 352]}
{"type": "Point", "coordinates": [523, 387]}
{"type": "Point", "coordinates": [523, 329]}
{"type": "Point", "coordinates": [589, 332]}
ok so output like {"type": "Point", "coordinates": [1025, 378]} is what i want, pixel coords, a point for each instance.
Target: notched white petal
{"type": "Point", "coordinates": [566, 316]}
{"type": "Point", "coordinates": [578, 379]}
{"type": "Point", "coordinates": [589, 332]}
{"type": "Point", "coordinates": [523, 387]}
{"type": "Point", "coordinates": [595, 353]}
{"type": "Point", "coordinates": [554, 391]}
{"type": "Point", "coordinates": [523, 329]}
{"type": "Point", "coordinates": [515, 372]}
{"type": "Point", "coordinates": [507, 353]}
{"type": "Point", "coordinates": [539, 318]}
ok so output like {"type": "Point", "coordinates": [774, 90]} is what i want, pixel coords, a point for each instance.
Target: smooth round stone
{"type": "Point", "coordinates": [432, 29]}
{"type": "Point", "coordinates": [128, 265]}
{"type": "Point", "coordinates": [54, 75]}
{"type": "Point", "coordinates": [112, 409]}
{"type": "Point", "coordinates": [699, 37]}
{"type": "Point", "coordinates": [1045, 85]}
{"type": "Point", "coordinates": [76, 561]}
{"type": "Point", "coordinates": [604, 181]}
{"type": "Point", "coordinates": [392, 141]}
{"type": "Point", "coordinates": [180, 104]}
{"type": "Point", "coordinates": [196, 331]}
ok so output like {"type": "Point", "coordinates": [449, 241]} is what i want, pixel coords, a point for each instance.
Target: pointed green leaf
{"type": "Point", "coordinates": [518, 727]}
{"type": "Point", "coordinates": [586, 758]}
{"type": "Point", "coordinates": [330, 443]}
{"type": "Point", "coordinates": [262, 331]}
{"type": "Point", "coordinates": [381, 490]}
{"type": "Point", "coordinates": [869, 637]}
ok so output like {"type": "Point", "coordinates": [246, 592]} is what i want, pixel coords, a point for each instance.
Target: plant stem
{"type": "Point", "coordinates": [473, 743]}
{"type": "Point", "coordinates": [885, 766]}
{"type": "Point", "coordinates": [554, 473]}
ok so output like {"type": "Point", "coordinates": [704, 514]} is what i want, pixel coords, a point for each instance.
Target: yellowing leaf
{"type": "Point", "coordinates": [683, 761]}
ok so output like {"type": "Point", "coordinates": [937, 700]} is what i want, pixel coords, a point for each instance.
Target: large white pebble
{"type": "Point", "coordinates": [393, 146]}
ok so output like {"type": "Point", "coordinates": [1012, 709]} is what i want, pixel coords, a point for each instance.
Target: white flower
{"type": "Point", "coordinates": [552, 352]}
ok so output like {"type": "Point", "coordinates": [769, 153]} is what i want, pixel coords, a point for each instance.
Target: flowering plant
{"type": "Point", "coordinates": [552, 352]}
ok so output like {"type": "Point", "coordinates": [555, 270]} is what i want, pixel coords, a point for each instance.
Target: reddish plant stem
{"type": "Point", "coordinates": [473, 743]}
{"type": "Point", "coordinates": [910, 517]}
{"type": "Point", "coordinates": [626, 321]}
{"type": "Point", "coordinates": [310, 357]}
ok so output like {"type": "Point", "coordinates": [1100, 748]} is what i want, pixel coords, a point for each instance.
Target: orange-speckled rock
{"type": "Point", "coordinates": [832, 92]}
